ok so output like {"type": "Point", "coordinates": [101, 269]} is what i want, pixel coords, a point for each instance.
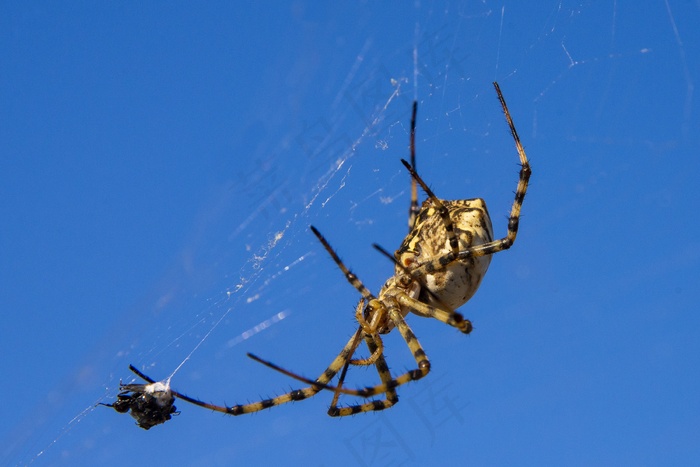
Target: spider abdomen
{"type": "Point", "coordinates": [456, 282]}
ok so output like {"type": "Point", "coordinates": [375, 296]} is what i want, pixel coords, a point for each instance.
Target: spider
{"type": "Point", "coordinates": [438, 267]}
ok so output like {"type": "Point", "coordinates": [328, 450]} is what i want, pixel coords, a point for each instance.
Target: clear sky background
{"type": "Point", "coordinates": [160, 165]}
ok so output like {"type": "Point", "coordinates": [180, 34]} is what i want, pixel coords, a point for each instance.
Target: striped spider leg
{"type": "Point", "coordinates": [439, 267]}
{"type": "Point", "coordinates": [322, 382]}
{"type": "Point", "coordinates": [149, 412]}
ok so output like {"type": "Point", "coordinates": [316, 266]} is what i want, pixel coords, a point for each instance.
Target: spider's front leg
{"type": "Point", "coordinates": [452, 318]}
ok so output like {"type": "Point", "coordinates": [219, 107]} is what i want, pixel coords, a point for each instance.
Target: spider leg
{"type": "Point", "coordinates": [352, 278]}
{"type": "Point", "coordinates": [414, 208]}
{"type": "Point", "coordinates": [374, 356]}
{"type": "Point", "coordinates": [385, 376]}
{"type": "Point", "coordinates": [443, 212]}
{"type": "Point", "coordinates": [388, 385]}
{"type": "Point", "coordinates": [412, 375]}
{"type": "Point", "coordinates": [140, 375]}
{"type": "Point", "coordinates": [375, 346]}
{"type": "Point", "coordinates": [297, 376]}
{"type": "Point", "coordinates": [452, 318]}
{"type": "Point", "coordinates": [336, 388]}
{"type": "Point", "coordinates": [335, 411]}
{"type": "Point", "coordinates": [383, 251]}
{"type": "Point", "coordinates": [341, 379]}
{"type": "Point", "coordinates": [513, 221]}
{"type": "Point", "coordinates": [296, 395]}
{"type": "Point", "coordinates": [525, 171]}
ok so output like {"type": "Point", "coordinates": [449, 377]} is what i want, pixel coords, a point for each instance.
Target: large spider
{"type": "Point", "coordinates": [438, 267]}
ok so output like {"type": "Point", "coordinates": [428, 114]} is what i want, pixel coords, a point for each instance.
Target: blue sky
{"type": "Point", "coordinates": [160, 165]}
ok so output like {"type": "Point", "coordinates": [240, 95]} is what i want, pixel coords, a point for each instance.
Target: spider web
{"type": "Point", "coordinates": [315, 137]}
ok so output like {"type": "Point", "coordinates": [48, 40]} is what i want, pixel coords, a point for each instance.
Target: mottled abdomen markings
{"type": "Point", "coordinates": [454, 285]}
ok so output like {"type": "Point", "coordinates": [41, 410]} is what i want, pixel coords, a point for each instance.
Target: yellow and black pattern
{"type": "Point", "coordinates": [438, 268]}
